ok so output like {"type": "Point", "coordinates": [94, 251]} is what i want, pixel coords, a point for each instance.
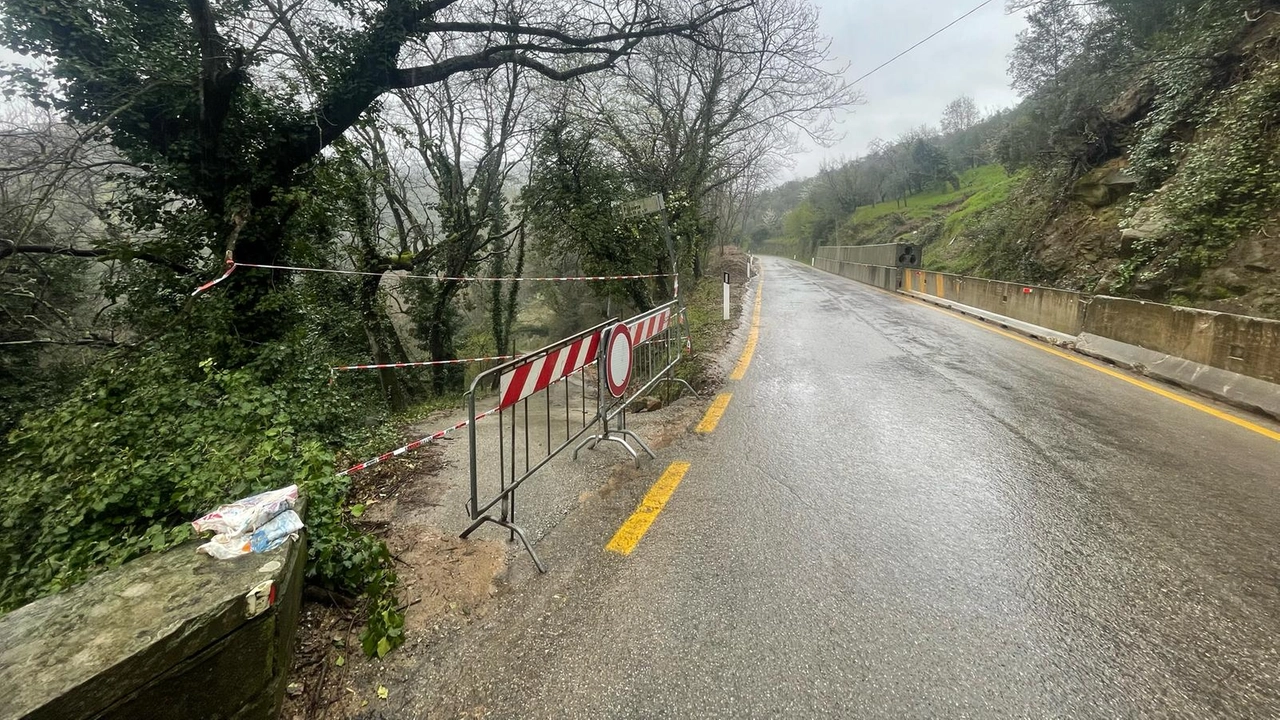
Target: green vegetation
{"type": "Point", "coordinates": [993, 190]}
{"type": "Point", "coordinates": [149, 442]}
{"type": "Point", "coordinates": [1229, 183]}
{"type": "Point", "coordinates": [925, 214]}
{"type": "Point", "coordinates": [1142, 162]}
{"type": "Point", "coordinates": [704, 310]}
{"type": "Point", "coordinates": [147, 145]}
{"type": "Point", "coordinates": [973, 183]}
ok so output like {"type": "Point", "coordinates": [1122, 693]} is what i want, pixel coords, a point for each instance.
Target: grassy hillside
{"type": "Point", "coordinates": [937, 213]}
{"type": "Point", "coordinates": [926, 206]}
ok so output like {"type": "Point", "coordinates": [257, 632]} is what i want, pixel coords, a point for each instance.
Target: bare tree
{"type": "Point", "coordinates": [960, 115]}
{"type": "Point", "coordinates": [690, 116]}
{"type": "Point", "coordinates": [230, 101]}
{"type": "Point", "coordinates": [56, 246]}
{"type": "Point", "coordinates": [54, 192]}
{"type": "Point", "coordinates": [442, 159]}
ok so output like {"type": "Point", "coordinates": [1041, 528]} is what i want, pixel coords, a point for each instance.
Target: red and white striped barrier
{"type": "Point", "coordinates": [538, 373]}
{"type": "Point", "coordinates": [426, 363]}
{"type": "Point", "coordinates": [413, 445]}
{"type": "Point", "coordinates": [646, 328]}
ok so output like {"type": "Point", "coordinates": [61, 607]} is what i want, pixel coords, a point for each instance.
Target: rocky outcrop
{"type": "Point", "coordinates": [1147, 223]}
{"type": "Point", "coordinates": [1104, 186]}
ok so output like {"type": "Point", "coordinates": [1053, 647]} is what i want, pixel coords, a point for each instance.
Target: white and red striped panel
{"type": "Point", "coordinates": [644, 329]}
{"type": "Point", "coordinates": [528, 378]}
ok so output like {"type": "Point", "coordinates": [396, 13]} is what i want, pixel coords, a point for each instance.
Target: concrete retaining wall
{"type": "Point", "coordinates": [1246, 345]}
{"type": "Point", "coordinates": [902, 255]}
{"type": "Point", "coordinates": [887, 278]}
{"type": "Point", "coordinates": [1059, 310]}
{"type": "Point", "coordinates": [778, 249]}
{"type": "Point", "coordinates": [1234, 358]}
{"type": "Point", "coordinates": [1240, 390]}
{"type": "Point", "coordinates": [170, 635]}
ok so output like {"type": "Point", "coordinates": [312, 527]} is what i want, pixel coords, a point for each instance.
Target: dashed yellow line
{"type": "Point", "coordinates": [628, 536]}
{"type": "Point", "coordinates": [714, 413]}
{"type": "Point", "coordinates": [752, 337]}
{"type": "Point", "coordinates": [1241, 422]}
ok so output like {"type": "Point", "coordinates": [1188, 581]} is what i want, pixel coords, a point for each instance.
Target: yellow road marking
{"type": "Point", "coordinates": [628, 536]}
{"type": "Point", "coordinates": [752, 337]}
{"type": "Point", "coordinates": [714, 413]}
{"type": "Point", "coordinates": [1108, 371]}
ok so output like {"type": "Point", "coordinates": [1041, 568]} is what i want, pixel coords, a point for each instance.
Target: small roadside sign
{"type": "Point", "coordinates": [617, 360]}
{"type": "Point", "coordinates": [643, 206]}
{"type": "Point", "coordinates": [726, 296]}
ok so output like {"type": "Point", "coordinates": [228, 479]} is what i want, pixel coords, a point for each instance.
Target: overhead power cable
{"type": "Point", "coordinates": [934, 34]}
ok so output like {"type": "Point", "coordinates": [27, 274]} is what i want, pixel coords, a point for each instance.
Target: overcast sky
{"type": "Point", "coordinates": [968, 59]}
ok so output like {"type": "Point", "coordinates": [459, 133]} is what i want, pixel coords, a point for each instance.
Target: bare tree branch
{"type": "Point", "coordinates": [9, 248]}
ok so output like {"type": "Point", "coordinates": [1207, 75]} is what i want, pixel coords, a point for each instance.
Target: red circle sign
{"type": "Point", "coordinates": [617, 360]}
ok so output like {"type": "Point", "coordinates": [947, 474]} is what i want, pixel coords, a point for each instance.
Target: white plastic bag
{"type": "Point", "coordinates": [244, 516]}
{"type": "Point", "coordinates": [271, 535]}
{"type": "Point", "coordinates": [225, 547]}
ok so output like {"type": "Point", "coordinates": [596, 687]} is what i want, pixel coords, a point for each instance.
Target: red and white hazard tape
{"type": "Point", "coordinates": [231, 265]}
{"type": "Point", "coordinates": [413, 445]}
{"type": "Point", "coordinates": [427, 363]}
{"type": "Point", "coordinates": [442, 433]}
{"type": "Point", "coordinates": [528, 378]}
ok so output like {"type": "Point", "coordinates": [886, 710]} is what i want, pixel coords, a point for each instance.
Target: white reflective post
{"type": "Point", "coordinates": [726, 296]}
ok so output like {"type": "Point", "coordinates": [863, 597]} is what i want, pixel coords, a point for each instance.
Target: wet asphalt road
{"type": "Point", "coordinates": [902, 515]}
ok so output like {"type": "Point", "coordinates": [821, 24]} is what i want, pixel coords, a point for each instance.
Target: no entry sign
{"type": "Point", "coordinates": [617, 360]}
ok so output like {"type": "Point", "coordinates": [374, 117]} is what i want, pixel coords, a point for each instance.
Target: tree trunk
{"type": "Point", "coordinates": [375, 327]}
{"type": "Point", "coordinates": [256, 318]}
{"type": "Point", "coordinates": [513, 299]}
{"type": "Point", "coordinates": [440, 341]}
{"type": "Point", "coordinates": [662, 268]}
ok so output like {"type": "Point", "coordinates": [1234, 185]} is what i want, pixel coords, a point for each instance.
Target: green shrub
{"type": "Point", "coordinates": [1230, 180]}
{"type": "Point", "coordinates": [152, 441]}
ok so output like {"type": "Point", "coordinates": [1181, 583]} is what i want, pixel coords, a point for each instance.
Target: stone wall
{"type": "Point", "coordinates": [170, 635]}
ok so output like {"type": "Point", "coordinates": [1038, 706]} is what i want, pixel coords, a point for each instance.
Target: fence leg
{"type": "Point", "coordinates": [537, 562]}
{"type": "Point", "coordinates": [610, 438]}
{"type": "Point", "coordinates": [683, 382]}
{"type": "Point", "coordinates": [639, 442]}
{"type": "Point", "coordinates": [593, 440]}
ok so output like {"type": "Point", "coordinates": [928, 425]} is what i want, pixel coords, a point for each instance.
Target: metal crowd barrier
{"type": "Point", "coordinates": [657, 343]}
{"type": "Point", "coordinates": [536, 422]}
{"type": "Point", "coordinates": [534, 379]}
